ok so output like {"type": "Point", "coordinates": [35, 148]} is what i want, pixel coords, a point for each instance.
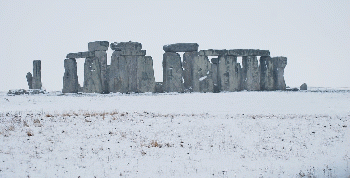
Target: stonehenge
{"type": "Point", "coordinates": [212, 70]}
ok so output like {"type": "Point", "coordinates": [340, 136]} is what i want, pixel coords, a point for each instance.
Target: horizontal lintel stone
{"type": "Point", "coordinates": [98, 46]}
{"type": "Point", "coordinates": [80, 55]}
{"type": "Point", "coordinates": [181, 47]}
{"type": "Point", "coordinates": [133, 53]}
{"type": "Point", "coordinates": [126, 46]}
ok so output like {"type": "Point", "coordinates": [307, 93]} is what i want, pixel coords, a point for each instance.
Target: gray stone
{"type": "Point", "coordinates": [30, 80]}
{"type": "Point", "coordinates": [70, 77]}
{"type": "Point", "coordinates": [267, 81]}
{"type": "Point", "coordinates": [213, 52]}
{"type": "Point", "coordinates": [145, 74]}
{"type": "Point", "coordinates": [181, 47]}
{"type": "Point", "coordinates": [159, 87]}
{"type": "Point", "coordinates": [172, 72]}
{"type": "Point", "coordinates": [126, 46]}
{"type": "Point", "coordinates": [92, 75]}
{"type": "Point", "coordinates": [102, 58]}
{"type": "Point", "coordinates": [279, 63]}
{"type": "Point", "coordinates": [81, 54]}
{"type": "Point", "coordinates": [248, 52]}
{"type": "Point", "coordinates": [229, 75]}
{"type": "Point", "coordinates": [215, 77]}
{"type": "Point", "coordinates": [133, 53]}
{"type": "Point", "coordinates": [36, 74]}
{"type": "Point", "coordinates": [303, 86]}
{"type": "Point", "coordinates": [98, 46]}
{"type": "Point", "coordinates": [118, 76]}
{"type": "Point", "coordinates": [188, 58]}
{"type": "Point", "coordinates": [202, 75]}
{"type": "Point", "coordinates": [251, 78]}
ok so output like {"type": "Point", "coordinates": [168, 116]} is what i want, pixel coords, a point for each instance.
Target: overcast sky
{"type": "Point", "coordinates": [314, 35]}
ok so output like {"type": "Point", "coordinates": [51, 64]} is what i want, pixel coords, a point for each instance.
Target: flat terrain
{"type": "Point", "coordinates": [239, 134]}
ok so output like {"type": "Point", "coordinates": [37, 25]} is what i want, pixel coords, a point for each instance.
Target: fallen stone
{"type": "Point", "coordinates": [98, 46]}
{"type": "Point", "coordinates": [181, 47]}
{"type": "Point", "coordinates": [303, 86]}
{"type": "Point", "coordinates": [159, 87]}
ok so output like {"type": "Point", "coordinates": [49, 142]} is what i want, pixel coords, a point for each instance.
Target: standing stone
{"type": "Point", "coordinates": [102, 57]}
{"type": "Point", "coordinates": [29, 80]}
{"type": "Point", "coordinates": [188, 58]}
{"type": "Point", "coordinates": [36, 74]}
{"type": "Point", "coordinates": [215, 77]}
{"type": "Point", "coordinates": [145, 74]}
{"type": "Point", "coordinates": [70, 78]}
{"type": "Point", "coordinates": [303, 86]}
{"type": "Point", "coordinates": [267, 81]}
{"type": "Point", "coordinates": [118, 77]}
{"type": "Point", "coordinates": [92, 75]}
{"type": "Point", "coordinates": [229, 74]}
{"type": "Point", "coordinates": [202, 75]}
{"type": "Point", "coordinates": [251, 73]}
{"type": "Point", "coordinates": [279, 63]}
{"type": "Point", "coordinates": [172, 72]}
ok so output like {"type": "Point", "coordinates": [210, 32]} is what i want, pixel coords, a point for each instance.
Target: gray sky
{"type": "Point", "coordinates": [314, 35]}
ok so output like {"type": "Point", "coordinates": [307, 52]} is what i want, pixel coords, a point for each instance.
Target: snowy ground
{"type": "Point", "coordinates": [239, 134]}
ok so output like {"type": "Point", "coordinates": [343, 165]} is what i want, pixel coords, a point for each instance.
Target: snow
{"type": "Point", "coordinates": [238, 134]}
{"type": "Point", "coordinates": [202, 78]}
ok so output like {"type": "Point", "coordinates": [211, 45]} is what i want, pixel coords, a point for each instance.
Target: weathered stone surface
{"type": "Point", "coordinates": [98, 46]}
{"type": "Point", "coordinates": [126, 46]}
{"type": "Point", "coordinates": [145, 74]}
{"type": "Point", "coordinates": [181, 47]}
{"type": "Point", "coordinates": [81, 54]}
{"type": "Point", "coordinates": [234, 52]}
{"type": "Point", "coordinates": [303, 86]}
{"type": "Point", "coordinates": [131, 74]}
{"type": "Point", "coordinates": [188, 58]}
{"type": "Point", "coordinates": [92, 75]}
{"type": "Point", "coordinates": [172, 72]}
{"type": "Point", "coordinates": [267, 81]}
{"type": "Point", "coordinates": [36, 74]}
{"type": "Point", "coordinates": [248, 52]}
{"type": "Point", "coordinates": [102, 58]}
{"type": "Point", "coordinates": [251, 76]}
{"type": "Point", "coordinates": [213, 52]}
{"type": "Point", "coordinates": [70, 77]}
{"type": "Point", "coordinates": [133, 53]}
{"type": "Point", "coordinates": [30, 80]}
{"type": "Point", "coordinates": [202, 75]}
{"type": "Point", "coordinates": [215, 76]}
{"type": "Point", "coordinates": [229, 75]}
{"type": "Point", "coordinates": [279, 63]}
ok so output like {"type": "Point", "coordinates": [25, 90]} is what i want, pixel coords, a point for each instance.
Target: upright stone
{"type": "Point", "coordinates": [36, 74]}
{"type": "Point", "coordinates": [251, 76]}
{"type": "Point", "coordinates": [145, 74]}
{"type": "Point", "coordinates": [172, 72]}
{"type": "Point", "coordinates": [29, 80]}
{"type": "Point", "coordinates": [188, 58]}
{"type": "Point", "coordinates": [202, 75]}
{"type": "Point", "coordinates": [267, 81]}
{"type": "Point", "coordinates": [229, 74]}
{"type": "Point", "coordinates": [70, 78]}
{"type": "Point", "coordinates": [92, 75]}
{"type": "Point", "coordinates": [279, 63]}
{"type": "Point", "coordinates": [215, 77]}
{"type": "Point", "coordinates": [102, 57]}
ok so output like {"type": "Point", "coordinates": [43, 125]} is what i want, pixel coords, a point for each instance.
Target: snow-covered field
{"type": "Point", "coordinates": [239, 134]}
